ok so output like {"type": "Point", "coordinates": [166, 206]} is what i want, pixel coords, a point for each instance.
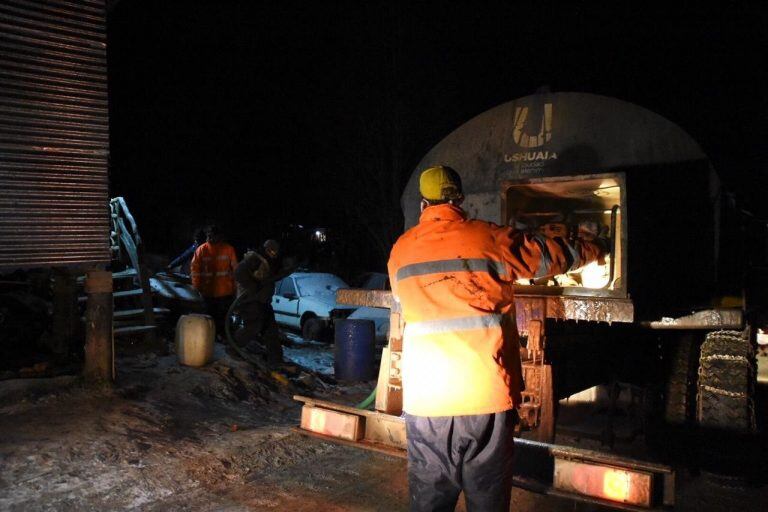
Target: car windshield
{"type": "Point", "coordinates": [319, 284]}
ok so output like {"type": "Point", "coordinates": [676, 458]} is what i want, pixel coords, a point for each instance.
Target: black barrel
{"type": "Point", "coordinates": [355, 349]}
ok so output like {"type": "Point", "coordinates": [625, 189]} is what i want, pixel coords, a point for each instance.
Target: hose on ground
{"type": "Point", "coordinates": [368, 401]}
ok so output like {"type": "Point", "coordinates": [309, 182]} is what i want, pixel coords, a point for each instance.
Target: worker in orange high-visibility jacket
{"type": "Point", "coordinates": [452, 278]}
{"type": "Point", "coordinates": [213, 275]}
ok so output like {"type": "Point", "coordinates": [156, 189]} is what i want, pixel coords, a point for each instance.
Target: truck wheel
{"type": "Point", "coordinates": [680, 390]}
{"type": "Point", "coordinates": [312, 329]}
{"type": "Point", "coordinates": [727, 380]}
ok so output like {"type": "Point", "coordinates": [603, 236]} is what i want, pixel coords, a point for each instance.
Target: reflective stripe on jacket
{"type": "Point", "coordinates": [212, 269]}
{"type": "Point", "coordinates": [454, 280]}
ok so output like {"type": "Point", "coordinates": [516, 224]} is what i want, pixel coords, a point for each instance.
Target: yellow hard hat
{"type": "Point", "coordinates": [440, 183]}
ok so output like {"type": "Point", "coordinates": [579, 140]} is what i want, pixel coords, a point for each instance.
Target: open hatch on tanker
{"type": "Point", "coordinates": [587, 206]}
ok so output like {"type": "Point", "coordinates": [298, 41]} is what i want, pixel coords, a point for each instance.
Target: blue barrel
{"type": "Point", "coordinates": [355, 349]}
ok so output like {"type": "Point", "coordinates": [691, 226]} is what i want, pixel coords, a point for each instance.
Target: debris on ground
{"type": "Point", "coordinates": [215, 438]}
{"type": "Point", "coordinates": [165, 436]}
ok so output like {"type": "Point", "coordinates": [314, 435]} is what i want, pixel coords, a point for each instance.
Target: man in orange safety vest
{"type": "Point", "coordinates": [452, 278]}
{"type": "Point", "coordinates": [212, 271]}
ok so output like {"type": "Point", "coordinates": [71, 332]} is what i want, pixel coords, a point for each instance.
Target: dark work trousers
{"type": "Point", "coordinates": [450, 454]}
{"type": "Point", "coordinates": [217, 308]}
{"type": "Point", "coordinates": [259, 325]}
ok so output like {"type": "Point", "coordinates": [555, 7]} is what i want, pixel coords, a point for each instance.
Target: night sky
{"type": "Point", "coordinates": [257, 114]}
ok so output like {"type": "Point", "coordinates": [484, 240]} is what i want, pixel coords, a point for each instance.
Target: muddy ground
{"type": "Point", "coordinates": [220, 438]}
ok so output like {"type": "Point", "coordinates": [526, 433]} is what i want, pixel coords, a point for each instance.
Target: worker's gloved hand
{"type": "Point", "coordinates": [590, 231]}
{"type": "Point", "coordinates": [604, 244]}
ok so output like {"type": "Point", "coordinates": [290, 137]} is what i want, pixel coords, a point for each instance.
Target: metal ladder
{"type": "Point", "coordinates": [134, 312]}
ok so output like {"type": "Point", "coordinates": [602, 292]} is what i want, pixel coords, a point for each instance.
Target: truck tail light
{"type": "Point", "coordinates": [617, 484]}
{"type": "Point", "coordinates": [605, 482]}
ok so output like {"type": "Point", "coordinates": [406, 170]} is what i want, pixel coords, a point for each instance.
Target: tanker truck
{"type": "Point", "coordinates": [666, 314]}
{"type": "Point", "coordinates": [666, 310]}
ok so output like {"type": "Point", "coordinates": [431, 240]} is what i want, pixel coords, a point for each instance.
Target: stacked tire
{"type": "Point", "coordinates": [680, 387]}
{"type": "Point", "coordinates": [312, 329]}
{"type": "Point", "coordinates": [726, 383]}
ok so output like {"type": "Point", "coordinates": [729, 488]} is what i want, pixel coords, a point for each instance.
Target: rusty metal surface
{"type": "Point", "coordinates": [54, 135]}
{"type": "Point", "coordinates": [534, 462]}
{"type": "Point", "coordinates": [707, 319]}
{"type": "Point", "coordinates": [590, 309]}
{"type": "Point", "coordinates": [361, 297]}
{"type": "Point", "coordinates": [609, 459]}
{"type": "Point", "coordinates": [384, 429]}
{"type": "Point", "coordinates": [527, 307]}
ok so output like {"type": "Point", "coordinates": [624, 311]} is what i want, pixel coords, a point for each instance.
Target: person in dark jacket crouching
{"type": "Point", "coordinates": [256, 276]}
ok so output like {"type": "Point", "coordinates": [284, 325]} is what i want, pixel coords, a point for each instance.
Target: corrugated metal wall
{"type": "Point", "coordinates": [54, 133]}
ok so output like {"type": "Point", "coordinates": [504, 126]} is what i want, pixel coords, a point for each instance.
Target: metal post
{"type": "Point", "coordinates": [546, 430]}
{"type": "Point", "coordinates": [99, 364]}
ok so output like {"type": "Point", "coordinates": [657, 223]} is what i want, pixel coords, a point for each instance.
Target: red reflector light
{"type": "Point", "coordinates": [332, 423]}
{"type": "Point", "coordinates": [606, 482]}
{"type": "Point", "coordinates": [616, 484]}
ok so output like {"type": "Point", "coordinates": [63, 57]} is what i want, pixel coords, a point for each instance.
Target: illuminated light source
{"type": "Point", "coordinates": [604, 482]}
{"type": "Point", "coordinates": [332, 423]}
{"type": "Point", "coordinates": [594, 275]}
{"type": "Point", "coordinates": [319, 235]}
{"type": "Point", "coordinates": [607, 188]}
{"type": "Point", "coordinates": [616, 484]}
{"type": "Point", "coordinates": [316, 421]}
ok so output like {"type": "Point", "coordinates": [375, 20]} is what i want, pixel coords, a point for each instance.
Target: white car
{"type": "Point", "coordinates": [307, 301]}
{"type": "Point", "coordinates": [379, 316]}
